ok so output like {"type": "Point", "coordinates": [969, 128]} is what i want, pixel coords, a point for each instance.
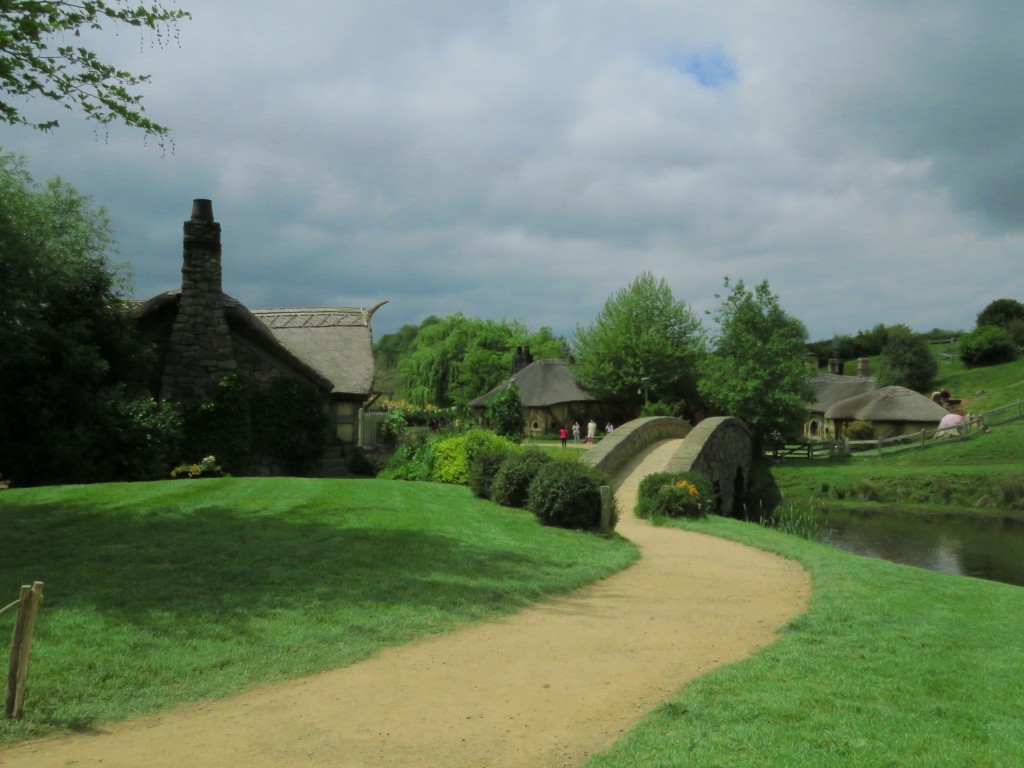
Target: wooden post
{"type": "Point", "coordinates": [21, 649]}
{"type": "Point", "coordinates": [606, 508]}
{"type": "Point", "coordinates": [15, 658]}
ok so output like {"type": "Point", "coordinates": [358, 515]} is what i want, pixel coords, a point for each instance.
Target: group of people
{"type": "Point", "coordinates": [591, 436]}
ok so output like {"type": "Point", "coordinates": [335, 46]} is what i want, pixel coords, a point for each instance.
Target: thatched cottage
{"type": "Point", "coordinates": [551, 395]}
{"type": "Point", "coordinates": [200, 334]}
{"type": "Point", "coordinates": [891, 411]}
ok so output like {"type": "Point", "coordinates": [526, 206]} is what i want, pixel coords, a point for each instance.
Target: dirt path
{"type": "Point", "coordinates": [546, 687]}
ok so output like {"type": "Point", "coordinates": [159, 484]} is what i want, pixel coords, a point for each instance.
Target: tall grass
{"type": "Point", "coordinates": [167, 592]}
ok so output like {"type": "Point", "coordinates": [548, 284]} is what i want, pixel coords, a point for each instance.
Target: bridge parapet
{"type": "Point", "coordinates": [722, 449]}
{"type": "Point", "coordinates": [615, 450]}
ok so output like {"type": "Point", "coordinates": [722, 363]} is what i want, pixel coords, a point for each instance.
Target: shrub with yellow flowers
{"type": "Point", "coordinates": [671, 494]}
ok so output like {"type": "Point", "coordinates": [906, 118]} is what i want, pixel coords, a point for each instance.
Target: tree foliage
{"type": "Point", "coordinates": [505, 413]}
{"type": "Point", "coordinates": [39, 59]}
{"type": "Point", "coordinates": [987, 345]}
{"type": "Point", "coordinates": [907, 361]}
{"type": "Point", "coordinates": [642, 336]}
{"type": "Point", "coordinates": [1001, 312]}
{"type": "Point", "coordinates": [456, 359]}
{"type": "Point", "coordinates": [69, 401]}
{"type": "Point", "coordinates": [757, 370]}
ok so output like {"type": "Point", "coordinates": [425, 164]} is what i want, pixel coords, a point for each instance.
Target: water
{"type": "Point", "coordinates": [970, 545]}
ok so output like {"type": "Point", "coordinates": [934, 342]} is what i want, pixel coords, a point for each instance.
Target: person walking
{"type": "Point", "coordinates": [591, 431]}
{"type": "Point", "coordinates": [576, 433]}
{"type": "Point", "coordinates": [563, 435]}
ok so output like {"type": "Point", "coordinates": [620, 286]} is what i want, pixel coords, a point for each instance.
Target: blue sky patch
{"type": "Point", "coordinates": [712, 68]}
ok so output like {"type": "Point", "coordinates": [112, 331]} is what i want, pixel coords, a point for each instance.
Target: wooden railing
{"type": "Point", "coordinates": [969, 428]}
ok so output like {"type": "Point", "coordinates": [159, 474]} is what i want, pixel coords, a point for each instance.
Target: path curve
{"type": "Point", "coordinates": [548, 686]}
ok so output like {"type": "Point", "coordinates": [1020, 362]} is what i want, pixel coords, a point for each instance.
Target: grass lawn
{"type": "Point", "coordinates": [891, 666]}
{"type": "Point", "coordinates": [982, 475]}
{"type": "Point", "coordinates": [167, 592]}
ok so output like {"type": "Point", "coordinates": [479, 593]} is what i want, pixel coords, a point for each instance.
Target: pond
{"type": "Point", "coordinates": [970, 545]}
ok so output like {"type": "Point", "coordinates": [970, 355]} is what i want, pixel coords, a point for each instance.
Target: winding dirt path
{"type": "Point", "coordinates": [516, 692]}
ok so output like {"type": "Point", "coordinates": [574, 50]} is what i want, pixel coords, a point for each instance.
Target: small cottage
{"type": "Point", "coordinates": [551, 394]}
{"type": "Point", "coordinates": [200, 334]}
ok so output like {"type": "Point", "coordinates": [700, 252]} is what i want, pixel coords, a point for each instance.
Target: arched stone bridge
{"type": "Point", "coordinates": [720, 448]}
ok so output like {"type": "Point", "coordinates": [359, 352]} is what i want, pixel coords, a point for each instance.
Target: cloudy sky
{"type": "Point", "coordinates": [527, 159]}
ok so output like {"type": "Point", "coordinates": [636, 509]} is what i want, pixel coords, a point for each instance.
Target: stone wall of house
{"type": "Point", "coordinates": [200, 350]}
{"type": "Point", "coordinates": [721, 449]}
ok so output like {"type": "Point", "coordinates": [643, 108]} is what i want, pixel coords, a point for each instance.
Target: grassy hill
{"type": "Point", "coordinates": [982, 474]}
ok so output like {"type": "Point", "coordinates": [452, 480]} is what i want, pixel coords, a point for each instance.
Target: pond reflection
{"type": "Point", "coordinates": [970, 545]}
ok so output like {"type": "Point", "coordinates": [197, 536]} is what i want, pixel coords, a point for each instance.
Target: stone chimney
{"type": "Point", "coordinates": [521, 359]}
{"type": "Point", "coordinates": [863, 367]}
{"type": "Point", "coordinates": [200, 351]}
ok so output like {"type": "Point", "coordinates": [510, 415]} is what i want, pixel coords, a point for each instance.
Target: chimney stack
{"type": "Point", "coordinates": [200, 350]}
{"type": "Point", "coordinates": [863, 367]}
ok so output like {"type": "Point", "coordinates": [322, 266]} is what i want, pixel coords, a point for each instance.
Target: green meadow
{"type": "Point", "coordinates": [162, 593]}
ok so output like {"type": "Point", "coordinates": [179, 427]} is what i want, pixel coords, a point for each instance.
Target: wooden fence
{"type": "Point", "coordinates": [21, 648]}
{"type": "Point", "coordinates": [971, 427]}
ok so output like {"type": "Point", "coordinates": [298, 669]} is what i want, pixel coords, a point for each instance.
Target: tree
{"type": "Point", "coordinates": [643, 339]}
{"type": "Point", "coordinates": [459, 358]}
{"type": "Point", "coordinates": [987, 345]}
{"type": "Point", "coordinates": [757, 371]}
{"type": "Point", "coordinates": [34, 63]}
{"type": "Point", "coordinates": [71, 405]}
{"type": "Point", "coordinates": [907, 361]}
{"type": "Point", "coordinates": [505, 413]}
{"type": "Point", "coordinates": [1001, 312]}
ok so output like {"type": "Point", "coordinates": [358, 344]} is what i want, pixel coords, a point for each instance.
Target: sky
{"type": "Point", "coordinates": [527, 160]}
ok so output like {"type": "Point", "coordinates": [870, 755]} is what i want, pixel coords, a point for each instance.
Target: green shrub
{"type": "Point", "coordinates": [512, 483]}
{"type": "Point", "coordinates": [860, 430]}
{"type": "Point", "coordinates": [674, 494]}
{"type": "Point", "coordinates": [505, 413]}
{"type": "Point", "coordinates": [483, 468]}
{"type": "Point", "coordinates": [413, 459]}
{"type": "Point", "coordinates": [290, 424]}
{"type": "Point", "coordinates": [222, 425]}
{"type": "Point", "coordinates": [987, 345]}
{"type": "Point", "coordinates": [567, 495]}
{"type": "Point", "coordinates": [394, 427]}
{"type": "Point", "coordinates": [454, 455]}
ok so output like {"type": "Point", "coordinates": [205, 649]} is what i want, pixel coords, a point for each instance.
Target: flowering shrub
{"type": "Point", "coordinates": [206, 467]}
{"type": "Point", "coordinates": [667, 494]}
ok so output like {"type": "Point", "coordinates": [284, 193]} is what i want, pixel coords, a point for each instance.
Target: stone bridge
{"type": "Point", "coordinates": [720, 448]}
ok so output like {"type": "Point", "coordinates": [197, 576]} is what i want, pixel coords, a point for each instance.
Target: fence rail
{"type": "Point", "coordinates": [969, 428]}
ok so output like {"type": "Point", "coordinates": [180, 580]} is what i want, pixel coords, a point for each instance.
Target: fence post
{"type": "Point", "coordinates": [606, 508]}
{"type": "Point", "coordinates": [21, 649]}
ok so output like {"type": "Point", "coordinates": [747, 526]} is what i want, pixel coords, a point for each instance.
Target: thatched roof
{"type": "Point", "coordinates": [831, 388]}
{"type": "Point", "coordinates": [541, 384]}
{"type": "Point", "coordinates": [330, 345]}
{"type": "Point", "coordinates": [336, 341]}
{"type": "Point", "coordinates": [892, 404]}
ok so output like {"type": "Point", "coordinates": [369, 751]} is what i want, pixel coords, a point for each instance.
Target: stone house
{"type": "Point", "coordinates": [551, 396]}
{"type": "Point", "coordinates": [200, 334]}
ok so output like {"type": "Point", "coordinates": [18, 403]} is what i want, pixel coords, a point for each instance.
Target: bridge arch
{"type": "Point", "coordinates": [720, 448]}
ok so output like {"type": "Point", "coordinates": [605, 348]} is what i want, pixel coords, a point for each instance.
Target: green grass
{"type": "Point", "coordinates": [168, 592]}
{"type": "Point", "coordinates": [891, 666]}
{"type": "Point", "coordinates": [983, 474]}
